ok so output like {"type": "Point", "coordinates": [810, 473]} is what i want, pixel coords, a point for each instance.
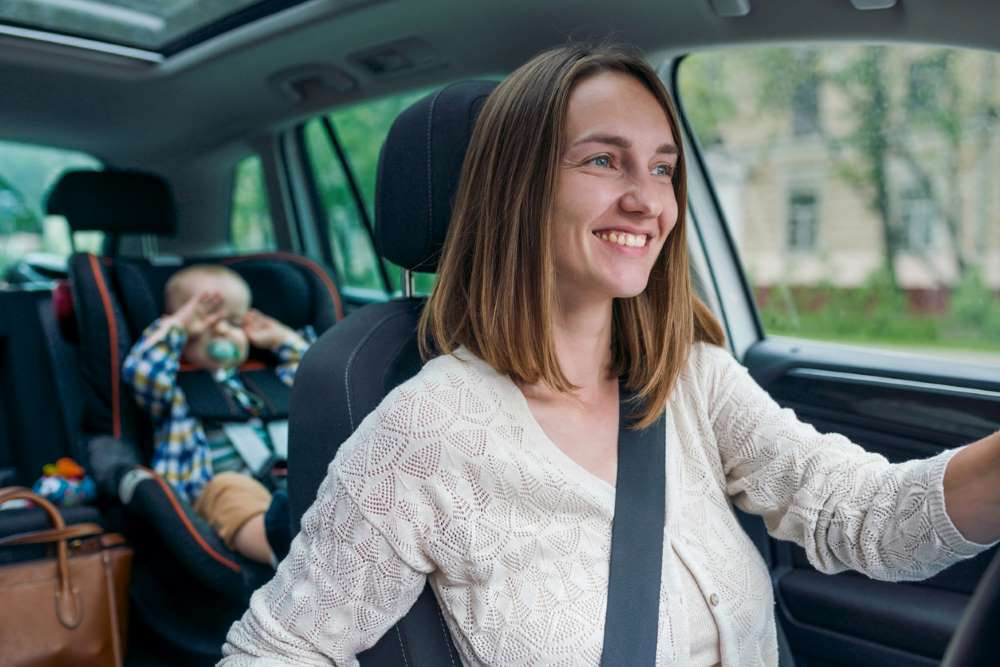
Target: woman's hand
{"type": "Point", "coordinates": [266, 332]}
{"type": "Point", "coordinates": [200, 313]}
{"type": "Point", "coordinates": [972, 490]}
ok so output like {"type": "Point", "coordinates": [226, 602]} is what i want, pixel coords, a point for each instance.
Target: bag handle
{"type": "Point", "coordinates": [74, 532]}
{"type": "Point", "coordinates": [68, 607]}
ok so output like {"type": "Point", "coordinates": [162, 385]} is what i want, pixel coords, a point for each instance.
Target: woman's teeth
{"type": "Point", "coordinates": [623, 238]}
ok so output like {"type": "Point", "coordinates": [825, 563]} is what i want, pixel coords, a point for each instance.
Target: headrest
{"type": "Point", "coordinates": [287, 291]}
{"type": "Point", "coordinates": [117, 202]}
{"type": "Point", "coordinates": [418, 173]}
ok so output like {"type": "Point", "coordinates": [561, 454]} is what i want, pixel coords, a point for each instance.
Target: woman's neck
{"type": "Point", "coordinates": [582, 338]}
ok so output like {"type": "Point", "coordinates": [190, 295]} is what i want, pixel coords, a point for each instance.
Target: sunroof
{"type": "Point", "coordinates": [161, 26]}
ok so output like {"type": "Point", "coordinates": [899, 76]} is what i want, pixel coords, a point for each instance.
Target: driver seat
{"type": "Point", "coordinates": [352, 367]}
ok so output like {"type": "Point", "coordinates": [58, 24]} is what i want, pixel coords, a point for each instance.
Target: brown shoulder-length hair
{"type": "Point", "coordinates": [495, 290]}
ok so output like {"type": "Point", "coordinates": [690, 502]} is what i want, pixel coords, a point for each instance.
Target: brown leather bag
{"type": "Point", "coordinates": [70, 609]}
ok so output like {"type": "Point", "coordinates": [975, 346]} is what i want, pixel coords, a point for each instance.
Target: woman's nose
{"type": "Point", "coordinates": [642, 198]}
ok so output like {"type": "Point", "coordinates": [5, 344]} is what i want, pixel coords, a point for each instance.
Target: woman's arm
{"type": "Point", "coordinates": [972, 490]}
{"type": "Point", "coordinates": [341, 587]}
{"type": "Point", "coordinates": [360, 560]}
{"type": "Point", "coordinates": [850, 509]}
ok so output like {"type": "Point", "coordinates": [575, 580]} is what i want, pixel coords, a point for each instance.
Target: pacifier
{"type": "Point", "coordinates": [223, 351]}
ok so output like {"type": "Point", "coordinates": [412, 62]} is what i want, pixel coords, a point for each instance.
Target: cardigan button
{"type": "Point", "coordinates": [713, 599]}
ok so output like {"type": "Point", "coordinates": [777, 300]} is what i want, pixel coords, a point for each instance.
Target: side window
{"type": "Point", "coordinates": [361, 130]}
{"type": "Point", "coordinates": [27, 234]}
{"type": "Point", "coordinates": [893, 240]}
{"type": "Point", "coordinates": [250, 226]}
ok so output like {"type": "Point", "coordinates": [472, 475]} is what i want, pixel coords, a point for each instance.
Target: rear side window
{"type": "Point", "coordinates": [361, 130]}
{"type": "Point", "coordinates": [33, 245]}
{"type": "Point", "coordinates": [860, 185]}
{"type": "Point", "coordinates": [251, 227]}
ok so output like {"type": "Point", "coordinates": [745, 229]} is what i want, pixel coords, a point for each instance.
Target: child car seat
{"type": "Point", "coordinates": [113, 300]}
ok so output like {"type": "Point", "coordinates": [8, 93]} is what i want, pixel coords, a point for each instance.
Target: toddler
{"type": "Point", "coordinates": [209, 325]}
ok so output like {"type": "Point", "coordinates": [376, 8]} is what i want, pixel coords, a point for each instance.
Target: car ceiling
{"type": "Point", "coordinates": [230, 88]}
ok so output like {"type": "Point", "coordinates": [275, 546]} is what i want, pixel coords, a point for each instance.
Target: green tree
{"type": "Point", "coordinates": [15, 214]}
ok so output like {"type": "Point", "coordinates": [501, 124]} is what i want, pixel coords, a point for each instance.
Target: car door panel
{"type": "Point", "coordinates": [903, 407]}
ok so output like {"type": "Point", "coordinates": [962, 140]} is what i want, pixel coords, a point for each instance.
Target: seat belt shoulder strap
{"type": "Point", "coordinates": [631, 623]}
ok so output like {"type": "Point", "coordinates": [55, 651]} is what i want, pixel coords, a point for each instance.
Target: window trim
{"type": "Point", "coordinates": [359, 203]}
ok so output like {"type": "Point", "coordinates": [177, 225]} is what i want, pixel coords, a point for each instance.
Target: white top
{"type": "Point", "coordinates": [452, 478]}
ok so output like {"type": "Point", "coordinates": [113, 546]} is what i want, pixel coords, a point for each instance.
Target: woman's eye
{"type": "Point", "coordinates": [663, 170]}
{"type": "Point", "coordinates": [602, 161]}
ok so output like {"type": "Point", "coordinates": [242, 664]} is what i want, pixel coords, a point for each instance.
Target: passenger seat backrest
{"type": "Point", "coordinates": [351, 368]}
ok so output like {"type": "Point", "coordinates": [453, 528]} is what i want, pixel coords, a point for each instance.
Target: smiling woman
{"type": "Point", "coordinates": [563, 287]}
{"type": "Point", "coordinates": [603, 161]}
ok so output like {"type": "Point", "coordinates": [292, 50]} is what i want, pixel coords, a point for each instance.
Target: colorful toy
{"type": "Point", "coordinates": [65, 483]}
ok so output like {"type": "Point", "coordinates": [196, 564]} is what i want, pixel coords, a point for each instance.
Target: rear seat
{"type": "Point", "coordinates": [39, 411]}
{"type": "Point", "coordinates": [114, 299]}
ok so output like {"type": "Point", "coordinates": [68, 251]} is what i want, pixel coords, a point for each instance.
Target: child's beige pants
{"type": "Point", "coordinates": [229, 500]}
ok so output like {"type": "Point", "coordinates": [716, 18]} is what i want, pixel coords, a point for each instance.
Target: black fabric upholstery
{"type": "Point", "coordinates": [116, 202]}
{"type": "Point", "coordinates": [104, 342]}
{"type": "Point", "coordinates": [418, 173]}
{"type": "Point", "coordinates": [344, 376]}
{"type": "Point", "coordinates": [200, 552]}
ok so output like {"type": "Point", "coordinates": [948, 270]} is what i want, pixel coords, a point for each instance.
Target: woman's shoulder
{"type": "Point", "coordinates": [460, 371]}
{"type": "Point", "coordinates": [706, 360]}
{"type": "Point", "coordinates": [448, 392]}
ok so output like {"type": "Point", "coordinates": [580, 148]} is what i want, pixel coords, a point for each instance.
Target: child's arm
{"type": "Point", "coordinates": [152, 364]}
{"type": "Point", "coordinates": [270, 334]}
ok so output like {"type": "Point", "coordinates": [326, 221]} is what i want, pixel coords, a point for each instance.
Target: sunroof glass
{"type": "Point", "coordinates": [155, 25]}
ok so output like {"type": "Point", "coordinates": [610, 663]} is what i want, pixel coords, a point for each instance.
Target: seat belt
{"type": "Point", "coordinates": [631, 622]}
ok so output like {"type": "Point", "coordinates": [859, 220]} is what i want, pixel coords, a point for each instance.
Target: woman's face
{"type": "Point", "coordinates": [614, 201]}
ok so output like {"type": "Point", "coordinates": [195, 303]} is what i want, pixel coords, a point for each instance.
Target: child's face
{"type": "Point", "coordinates": [199, 349]}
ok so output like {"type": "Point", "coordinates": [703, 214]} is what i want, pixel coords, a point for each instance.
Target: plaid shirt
{"type": "Point", "coordinates": [182, 455]}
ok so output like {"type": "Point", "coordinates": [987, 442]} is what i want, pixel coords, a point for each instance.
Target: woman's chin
{"type": "Point", "coordinates": [626, 289]}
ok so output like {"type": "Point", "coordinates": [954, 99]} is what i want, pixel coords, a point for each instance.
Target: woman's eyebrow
{"type": "Point", "coordinates": [621, 142]}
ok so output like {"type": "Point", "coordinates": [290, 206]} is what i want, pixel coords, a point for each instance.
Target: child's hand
{"type": "Point", "coordinates": [266, 332]}
{"type": "Point", "coordinates": [200, 313]}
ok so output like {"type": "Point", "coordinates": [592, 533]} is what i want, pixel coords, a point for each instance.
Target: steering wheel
{"type": "Point", "coordinates": [977, 639]}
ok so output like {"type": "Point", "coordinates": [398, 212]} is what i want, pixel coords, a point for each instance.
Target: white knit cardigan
{"type": "Point", "coordinates": [452, 478]}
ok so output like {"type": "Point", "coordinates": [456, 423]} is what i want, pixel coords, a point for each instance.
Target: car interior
{"type": "Point", "coordinates": [314, 147]}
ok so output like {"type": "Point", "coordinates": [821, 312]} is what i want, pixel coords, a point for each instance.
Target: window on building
{"type": "Point", "coordinates": [805, 106]}
{"type": "Point", "coordinates": [30, 239]}
{"type": "Point", "coordinates": [929, 85]}
{"type": "Point", "coordinates": [250, 225]}
{"type": "Point", "coordinates": [918, 219]}
{"type": "Point", "coordinates": [803, 219]}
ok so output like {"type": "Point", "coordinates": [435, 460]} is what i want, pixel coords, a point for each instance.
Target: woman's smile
{"type": "Point", "coordinates": [630, 244]}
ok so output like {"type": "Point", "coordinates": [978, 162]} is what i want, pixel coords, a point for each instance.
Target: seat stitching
{"type": "Point", "coordinates": [102, 289]}
{"type": "Point", "coordinates": [338, 309]}
{"type": "Point", "coordinates": [430, 180]}
{"type": "Point", "coordinates": [350, 362]}
{"type": "Point", "coordinates": [402, 646]}
{"type": "Point", "coordinates": [447, 637]}
{"type": "Point", "coordinates": [187, 523]}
